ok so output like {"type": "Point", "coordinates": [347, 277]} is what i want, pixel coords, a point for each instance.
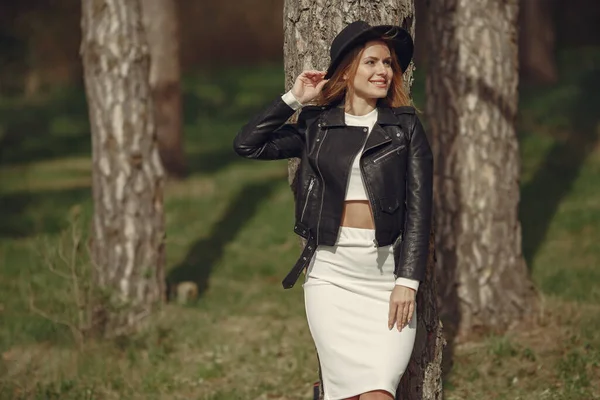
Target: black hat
{"type": "Point", "coordinates": [360, 32]}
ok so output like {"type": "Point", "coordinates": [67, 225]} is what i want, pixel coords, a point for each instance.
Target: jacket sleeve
{"type": "Point", "coordinates": [414, 246]}
{"type": "Point", "coordinates": [268, 137]}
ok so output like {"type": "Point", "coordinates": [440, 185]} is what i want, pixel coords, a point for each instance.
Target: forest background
{"type": "Point", "coordinates": [229, 221]}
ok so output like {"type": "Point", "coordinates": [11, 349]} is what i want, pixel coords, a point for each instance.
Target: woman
{"type": "Point", "coordinates": [363, 196]}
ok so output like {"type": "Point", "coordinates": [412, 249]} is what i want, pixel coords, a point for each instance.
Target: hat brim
{"type": "Point", "coordinates": [399, 37]}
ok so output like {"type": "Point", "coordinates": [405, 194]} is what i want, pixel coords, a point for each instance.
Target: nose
{"type": "Point", "coordinates": [381, 69]}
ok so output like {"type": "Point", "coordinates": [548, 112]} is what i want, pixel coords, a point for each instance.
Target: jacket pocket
{"type": "Point", "coordinates": [389, 204]}
{"type": "Point", "coordinates": [395, 150]}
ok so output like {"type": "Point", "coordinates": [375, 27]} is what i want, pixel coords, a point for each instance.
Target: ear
{"type": "Point", "coordinates": [345, 77]}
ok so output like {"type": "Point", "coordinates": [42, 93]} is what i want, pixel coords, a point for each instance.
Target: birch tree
{"type": "Point", "coordinates": [127, 176]}
{"type": "Point", "coordinates": [472, 106]}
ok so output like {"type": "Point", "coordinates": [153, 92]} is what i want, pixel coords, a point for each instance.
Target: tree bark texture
{"type": "Point", "coordinates": [127, 176]}
{"type": "Point", "coordinates": [309, 28]}
{"type": "Point", "coordinates": [537, 40]}
{"type": "Point", "coordinates": [471, 105]}
{"type": "Point", "coordinates": [162, 33]}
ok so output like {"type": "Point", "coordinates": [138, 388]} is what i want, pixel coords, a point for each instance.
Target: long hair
{"type": "Point", "coordinates": [338, 89]}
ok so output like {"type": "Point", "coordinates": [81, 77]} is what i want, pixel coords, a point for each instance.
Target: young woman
{"type": "Point", "coordinates": [363, 195]}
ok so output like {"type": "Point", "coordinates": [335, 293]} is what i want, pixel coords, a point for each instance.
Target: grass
{"type": "Point", "coordinates": [229, 224]}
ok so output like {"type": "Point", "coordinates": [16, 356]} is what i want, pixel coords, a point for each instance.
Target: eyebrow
{"type": "Point", "coordinates": [376, 58]}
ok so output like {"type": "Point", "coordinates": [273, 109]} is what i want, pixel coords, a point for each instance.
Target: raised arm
{"type": "Point", "coordinates": [267, 136]}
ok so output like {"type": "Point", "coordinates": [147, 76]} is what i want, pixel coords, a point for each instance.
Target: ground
{"type": "Point", "coordinates": [229, 227]}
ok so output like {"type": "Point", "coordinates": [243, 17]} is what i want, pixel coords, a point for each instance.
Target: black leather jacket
{"type": "Point", "coordinates": [397, 168]}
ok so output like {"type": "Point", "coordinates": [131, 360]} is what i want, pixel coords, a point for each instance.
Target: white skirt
{"type": "Point", "coordinates": [346, 293]}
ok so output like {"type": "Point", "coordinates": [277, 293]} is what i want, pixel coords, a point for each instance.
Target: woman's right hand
{"type": "Point", "coordinates": [308, 85]}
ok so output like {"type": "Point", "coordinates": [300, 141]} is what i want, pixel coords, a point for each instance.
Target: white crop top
{"type": "Point", "coordinates": [356, 188]}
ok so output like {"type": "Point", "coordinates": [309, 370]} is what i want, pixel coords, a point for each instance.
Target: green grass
{"type": "Point", "coordinates": [230, 225]}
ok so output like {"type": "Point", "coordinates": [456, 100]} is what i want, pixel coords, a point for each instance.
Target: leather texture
{"type": "Point", "coordinates": [397, 168]}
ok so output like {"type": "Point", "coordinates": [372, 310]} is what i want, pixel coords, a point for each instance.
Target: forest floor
{"type": "Point", "coordinates": [229, 226]}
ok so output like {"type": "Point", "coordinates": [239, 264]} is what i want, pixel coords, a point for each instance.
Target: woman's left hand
{"type": "Point", "coordinates": [402, 307]}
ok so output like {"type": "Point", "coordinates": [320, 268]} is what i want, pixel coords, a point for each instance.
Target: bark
{"type": "Point", "coordinates": [162, 33]}
{"type": "Point", "coordinates": [421, 27]}
{"type": "Point", "coordinates": [472, 104]}
{"type": "Point", "coordinates": [127, 176]}
{"type": "Point", "coordinates": [309, 28]}
{"type": "Point", "coordinates": [536, 41]}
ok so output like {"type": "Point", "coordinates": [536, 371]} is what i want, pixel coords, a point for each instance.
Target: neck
{"type": "Point", "coordinates": [359, 106]}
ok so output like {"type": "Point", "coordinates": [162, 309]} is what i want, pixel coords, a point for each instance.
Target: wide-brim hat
{"type": "Point", "coordinates": [360, 32]}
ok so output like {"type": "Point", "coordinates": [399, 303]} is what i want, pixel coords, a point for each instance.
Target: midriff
{"type": "Point", "coordinates": [357, 214]}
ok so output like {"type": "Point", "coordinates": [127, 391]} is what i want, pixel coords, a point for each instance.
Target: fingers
{"type": "Point", "coordinates": [313, 72]}
{"type": "Point", "coordinates": [404, 314]}
{"type": "Point", "coordinates": [402, 302]}
{"type": "Point", "coordinates": [392, 315]}
{"type": "Point", "coordinates": [321, 84]}
{"type": "Point", "coordinates": [312, 76]}
{"type": "Point", "coordinates": [411, 312]}
{"type": "Point", "coordinates": [400, 314]}
{"type": "Point", "coordinates": [401, 317]}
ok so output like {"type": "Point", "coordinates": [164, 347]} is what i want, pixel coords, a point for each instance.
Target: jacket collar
{"type": "Point", "coordinates": [334, 117]}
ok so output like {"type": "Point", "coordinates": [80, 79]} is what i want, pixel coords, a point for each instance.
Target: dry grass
{"type": "Point", "coordinates": [190, 353]}
{"type": "Point", "coordinates": [557, 358]}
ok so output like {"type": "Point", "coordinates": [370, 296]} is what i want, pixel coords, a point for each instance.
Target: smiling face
{"type": "Point", "coordinates": [374, 72]}
{"type": "Point", "coordinates": [370, 74]}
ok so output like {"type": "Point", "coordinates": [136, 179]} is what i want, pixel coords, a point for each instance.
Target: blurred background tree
{"type": "Point", "coordinates": [161, 25]}
{"type": "Point", "coordinates": [127, 176]}
{"type": "Point", "coordinates": [537, 40]}
{"type": "Point", "coordinates": [40, 39]}
{"type": "Point", "coordinates": [472, 99]}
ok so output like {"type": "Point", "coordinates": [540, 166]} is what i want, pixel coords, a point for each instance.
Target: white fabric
{"type": "Point", "coordinates": [410, 283]}
{"type": "Point", "coordinates": [356, 185]}
{"type": "Point", "coordinates": [356, 188]}
{"type": "Point", "coordinates": [346, 292]}
{"type": "Point", "coordinates": [291, 100]}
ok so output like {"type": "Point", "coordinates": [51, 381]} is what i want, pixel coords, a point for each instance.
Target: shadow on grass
{"type": "Point", "coordinates": [205, 253]}
{"type": "Point", "coordinates": [554, 178]}
{"type": "Point", "coordinates": [209, 163]}
{"type": "Point", "coordinates": [56, 125]}
{"type": "Point", "coordinates": [42, 129]}
{"type": "Point", "coordinates": [31, 213]}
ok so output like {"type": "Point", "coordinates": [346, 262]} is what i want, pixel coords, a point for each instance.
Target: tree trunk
{"type": "Point", "coordinates": [162, 33]}
{"type": "Point", "coordinates": [309, 28]}
{"type": "Point", "coordinates": [127, 176]}
{"type": "Point", "coordinates": [536, 41]}
{"type": "Point", "coordinates": [472, 104]}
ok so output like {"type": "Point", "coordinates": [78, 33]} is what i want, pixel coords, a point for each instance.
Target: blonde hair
{"type": "Point", "coordinates": [337, 89]}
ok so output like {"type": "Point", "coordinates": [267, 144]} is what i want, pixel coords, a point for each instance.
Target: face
{"type": "Point", "coordinates": [374, 74]}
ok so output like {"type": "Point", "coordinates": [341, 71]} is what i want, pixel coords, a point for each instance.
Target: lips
{"type": "Point", "coordinates": [379, 84]}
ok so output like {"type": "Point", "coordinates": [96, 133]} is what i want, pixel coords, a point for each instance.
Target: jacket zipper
{"type": "Point", "coordinates": [324, 186]}
{"type": "Point", "coordinates": [371, 198]}
{"type": "Point", "coordinates": [362, 171]}
{"type": "Point", "coordinates": [310, 186]}
{"type": "Point", "coordinates": [373, 206]}
{"type": "Point", "coordinates": [397, 149]}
